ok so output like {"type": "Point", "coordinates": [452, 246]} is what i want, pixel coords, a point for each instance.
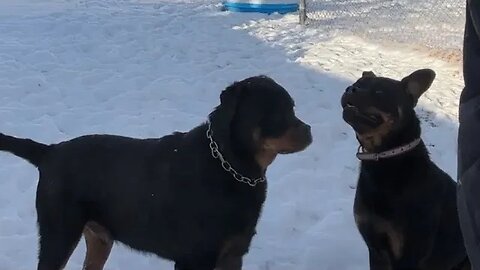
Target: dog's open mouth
{"type": "Point", "coordinates": [353, 113]}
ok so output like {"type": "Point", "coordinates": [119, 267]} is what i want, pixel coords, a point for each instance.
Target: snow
{"type": "Point", "coordinates": [145, 68]}
{"type": "Point", "coordinates": [436, 24]}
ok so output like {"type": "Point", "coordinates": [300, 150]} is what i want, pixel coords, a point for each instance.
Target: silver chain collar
{"type": "Point", "coordinates": [226, 165]}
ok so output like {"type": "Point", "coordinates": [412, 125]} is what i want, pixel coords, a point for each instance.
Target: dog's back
{"type": "Point", "coordinates": [109, 178]}
{"type": "Point", "coordinates": [126, 185]}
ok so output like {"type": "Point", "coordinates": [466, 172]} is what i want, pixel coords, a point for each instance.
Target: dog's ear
{"type": "Point", "coordinates": [368, 74]}
{"type": "Point", "coordinates": [418, 82]}
{"type": "Point", "coordinates": [223, 114]}
{"type": "Point", "coordinates": [228, 100]}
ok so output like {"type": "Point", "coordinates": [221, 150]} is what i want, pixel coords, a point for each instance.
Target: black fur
{"type": "Point", "coordinates": [166, 196]}
{"type": "Point", "coordinates": [405, 206]}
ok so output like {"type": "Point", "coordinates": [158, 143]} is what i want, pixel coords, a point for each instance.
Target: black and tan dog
{"type": "Point", "coordinates": [405, 206]}
{"type": "Point", "coordinates": [192, 197]}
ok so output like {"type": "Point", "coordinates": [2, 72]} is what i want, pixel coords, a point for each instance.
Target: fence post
{"type": "Point", "coordinates": [302, 11]}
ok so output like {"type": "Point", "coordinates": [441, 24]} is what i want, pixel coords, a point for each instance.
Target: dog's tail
{"type": "Point", "coordinates": [27, 149]}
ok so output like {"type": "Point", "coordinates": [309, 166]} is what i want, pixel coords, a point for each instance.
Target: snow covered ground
{"type": "Point", "coordinates": [145, 68]}
{"type": "Point", "coordinates": [434, 23]}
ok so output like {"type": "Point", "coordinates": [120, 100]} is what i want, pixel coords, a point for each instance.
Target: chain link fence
{"type": "Point", "coordinates": [434, 24]}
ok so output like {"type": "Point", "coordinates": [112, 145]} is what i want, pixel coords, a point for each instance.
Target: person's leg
{"type": "Point", "coordinates": [469, 137]}
{"type": "Point", "coordinates": [471, 52]}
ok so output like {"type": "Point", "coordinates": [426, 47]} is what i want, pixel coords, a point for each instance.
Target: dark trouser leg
{"type": "Point", "coordinates": [469, 137]}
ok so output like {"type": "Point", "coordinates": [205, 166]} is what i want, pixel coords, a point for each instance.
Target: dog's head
{"type": "Point", "coordinates": [256, 118]}
{"type": "Point", "coordinates": [378, 108]}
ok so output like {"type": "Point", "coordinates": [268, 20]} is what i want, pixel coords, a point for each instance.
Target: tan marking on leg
{"type": "Point", "coordinates": [395, 238]}
{"type": "Point", "coordinates": [99, 244]}
{"type": "Point", "coordinates": [231, 255]}
{"type": "Point", "coordinates": [382, 226]}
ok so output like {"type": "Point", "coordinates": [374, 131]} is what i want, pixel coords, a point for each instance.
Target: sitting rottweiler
{"type": "Point", "coordinates": [405, 206]}
{"type": "Point", "coordinates": [193, 198]}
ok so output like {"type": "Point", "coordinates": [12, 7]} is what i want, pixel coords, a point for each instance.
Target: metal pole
{"type": "Point", "coordinates": [302, 11]}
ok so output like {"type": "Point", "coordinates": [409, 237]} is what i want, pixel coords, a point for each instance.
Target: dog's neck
{"type": "Point", "coordinates": [362, 155]}
{"type": "Point", "coordinates": [265, 158]}
{"type": "Point", "coordinates": [244, 164]}
{"type": "Point", "coordinates": [405, 135]}
{"type": "Point", "coordinates": [395, 172]}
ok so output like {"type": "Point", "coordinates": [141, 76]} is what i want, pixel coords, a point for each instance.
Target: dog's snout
{"type": "Point", "coordinates": [302, 125]}
{"type": "Point", "coordinates": [307, 128]}
{"type": "Point", "coordinates": [351, 89]}
{"type": "Point", "coordinates": [346, 99]}
{"type": "Point", "coordinates": [306, 131]}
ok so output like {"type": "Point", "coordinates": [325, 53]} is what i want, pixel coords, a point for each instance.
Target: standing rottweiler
{"type": "Point", "coordinates": [405, 206]}
{"type": "Point", "coordinates": [192, 197]}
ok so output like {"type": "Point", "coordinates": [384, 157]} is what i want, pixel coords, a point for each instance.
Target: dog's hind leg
{"type": "Point", "coordinates": [60, 223]}
{"type": "Point", "coordinates": [60, 230]}
{"type": "Point", "coordinates": [99, 244]}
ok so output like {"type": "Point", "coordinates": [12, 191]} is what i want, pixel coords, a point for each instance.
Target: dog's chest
{"type": "Point", "coordinates": [235, 208]}
{"type": "Point", "coordinates": [375, 228]}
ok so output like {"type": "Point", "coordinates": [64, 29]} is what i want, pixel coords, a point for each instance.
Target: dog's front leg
{"type": "Point", "coordinates": [378, 248]}
{"type": "Point", "coordinates": [411, 258]}
{"type": "Point", "coordinates": [419, 237]}
{"type": "Point", "coordinates": [379, 260]}
{"type": "Point", "coordinates": [406, 266]}
{"type": "Point", "coordinates": [233, 250]}
{"type": "Point", "coordinates": [230, 263]}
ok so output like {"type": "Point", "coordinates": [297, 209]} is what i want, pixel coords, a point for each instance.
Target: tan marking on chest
{"type": "Point", "coordinates": [381, 226]}
{"type": "Point", "coordinates": [374, 138]}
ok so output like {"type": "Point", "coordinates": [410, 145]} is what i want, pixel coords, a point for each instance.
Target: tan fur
{"type": "Point", "coordinates": [286, 143]}
{"type": "Point", "coordinates": [99, 244]}
{"type": "Point", "coordinates": [395, 237]}
{"type": "Point", "coordinates": [270, 148]}
{"type": "Point", "coordinates": [265, 158]}
{"type": "Point", "coordinates": [382, 226]}
{"type": "Point", "coordinates": [372, 139]}
{"type": "Point", "coordinates": [230, 257]}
